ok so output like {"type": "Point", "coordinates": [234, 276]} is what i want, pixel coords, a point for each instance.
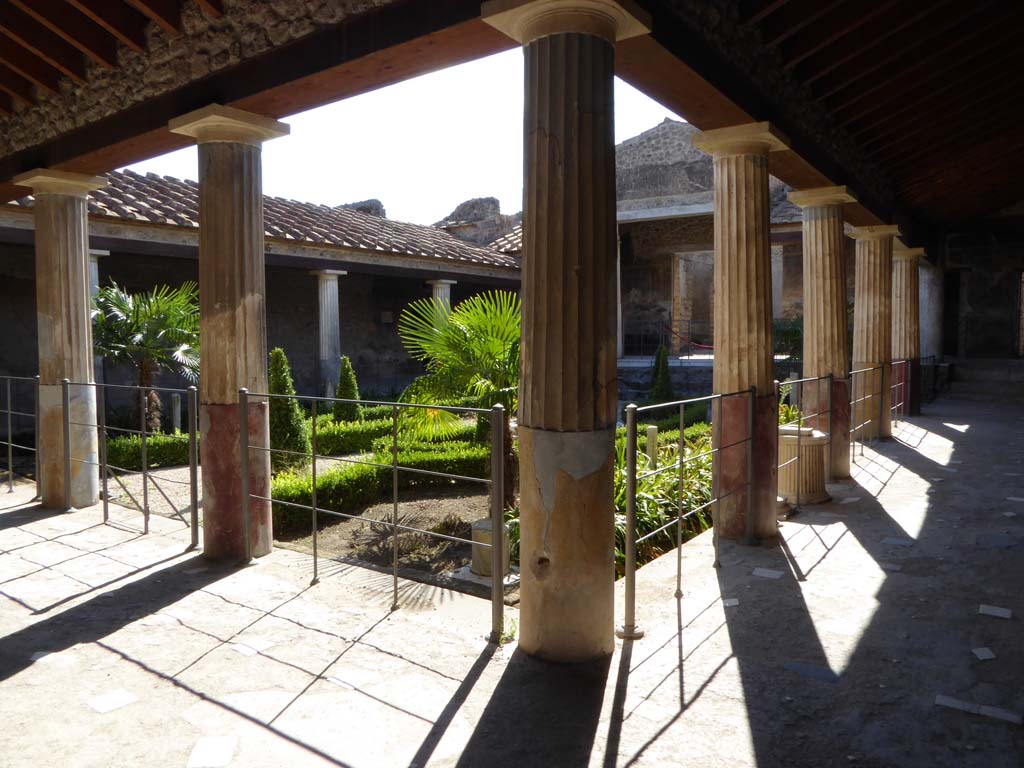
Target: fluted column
{"type": "Point", "coordinates": [63, 303]}
{"type": "Point", "coordinates": [94, 288]}
{"type": "Point", "coordinates": [441, 290]}
{"type": "Point", "coordinates": [743, 329]}
{"type": "Point", "coordinates": [826, 337]}
{"type": "Point", "coordinates": [329, 326]}
{"type": "Point", "coordinates": [567, 401]}
{"type": "Point", "coordinates": [872, 329]}
{"type": "Point", "coordinates": [906, 323]}
{"type": "Point", "coordinates": [232, 322]}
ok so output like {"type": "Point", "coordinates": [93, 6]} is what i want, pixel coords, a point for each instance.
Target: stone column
{"type": "Point", "coordinates": [65, 334]}
{"type": "Point", "coordinates": [442, 290]}
{"type": "Point", "coordinates": [329, 325]}
{"type": "Point", "coordinates": [777, 281]}
{"type": "Point", "coordinates": [872, 328]}
{"type": "Point", "coordinates": [906, 323]}
{"type": "Point", "coordinates": [743, 328]}
{"type": "Point", "coordinates": [567, 401]}
{"type": "Point", "coordinates": [826, 342]}
{"type": "Point", "coordinates": [232, 317]}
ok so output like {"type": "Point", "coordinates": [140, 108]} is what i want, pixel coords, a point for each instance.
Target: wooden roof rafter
{"type": "Point", "coordinates": [74, 28]}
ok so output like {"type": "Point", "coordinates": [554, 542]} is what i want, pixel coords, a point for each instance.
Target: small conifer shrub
{"type": "Point", "coordinates": [348, 389]}
{"type": "Point", "coordinates": [661, 381]}
{"type": "Point", "coordinates": [287, 427]}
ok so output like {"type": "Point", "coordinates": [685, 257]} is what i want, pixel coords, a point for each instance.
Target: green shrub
{"type": "Point", "coordinates": [335, 438]}
{"type": "Point", "coordinates": [348, 389]}
{"type": "Point", "coordinates": [353, 487]}
{"type": "Point", "coordinates": [125, 451]}
{"type": "Point", "coordinates": [287, 428]}
{"type": "Point", "coordinates": [661, 381]}
{"type": "Point", "coordinates": [374, 412]}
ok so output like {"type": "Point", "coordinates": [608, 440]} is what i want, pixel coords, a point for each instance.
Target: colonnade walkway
{"type": "Point", "coordinates": [118, 649]}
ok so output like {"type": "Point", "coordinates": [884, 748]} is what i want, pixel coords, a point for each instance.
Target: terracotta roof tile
{"type": "Point", "coordinates": [166, 200]}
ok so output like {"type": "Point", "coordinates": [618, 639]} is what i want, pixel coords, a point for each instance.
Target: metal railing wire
{"type": "Point", "coordinates": [108, 470]}
{"type": "Point", "coordinates": [13, 415]}
{"type": "Point", "coordinates": [630, 629]}
{"type": "Point", "coordinates": [496, 417]}
{"type": "Point", "coordinates": [899, 390]}
{"type": "Point", "coordinates": [800, 395]}
{"type": "Point", "coordinates": [860, 418]}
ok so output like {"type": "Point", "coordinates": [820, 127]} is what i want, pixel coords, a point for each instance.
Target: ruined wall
{"type": "Point", "coordinates": [930, 295]}
{"type": "Point", "coordinates": [990, 301]}
{"type": "Point", "coordinates": [247, 29]}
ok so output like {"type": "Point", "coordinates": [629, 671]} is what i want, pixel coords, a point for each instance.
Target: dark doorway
{"type": "Point", "coordinates": [951, 313]}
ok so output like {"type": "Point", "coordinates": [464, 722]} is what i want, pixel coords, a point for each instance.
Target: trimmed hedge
{"type": "Point", "coordinates": [353, 487]}
{"type": "Point", "coordinates": [125, 451]}
{"type": "Point", "coordinates": [665, 436]}
{"type": "Point", "coordinates": [339, 438]}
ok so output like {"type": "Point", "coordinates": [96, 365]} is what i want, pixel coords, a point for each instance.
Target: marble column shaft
{"type": "Point", "coordinates": [232, 314]}
{"type": "Point", "coordinates": [826, 335]}
{"type": "Point", "coordinates": [743, 329]}
{"type": "Point", "coordinates": [872, 329]}
{"type": "Point", "coordinates": [906, 325]}
{"type": "Point", "coordinates": [63, 303]}
{"type": "Point", "coordinates": [441, 290]}
{"type": "Point", "coordinates": [329, 327]}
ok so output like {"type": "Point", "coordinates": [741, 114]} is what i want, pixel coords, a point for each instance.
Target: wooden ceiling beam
{"type": "Point", "coordinates": [942, 80]}
{"type": "Point", "coordinates": [6, 104]}
{"type": "Point", "coordinates": [36, 38]}
{"type": "Point", "coordinates": [73, 27]}
{"type": "Point", "coordinates": [951, 143]}
{"type": "Point", "coordinates": [877, 33]}
{"type": "Point", "coordinates": [121, 20]}
{"type": "Point", "coordinates": [847, 20]}
{"type": "Point", "coordinates": [918, 65]}
{"type": "Point", "coordinates": [794, 18]}
{"type": "Point", "coordinates": [979, 160]}
{"type": "Point", "coordinates": [765, 11]}
{"type": "Point", "coordinates": [927, 37]}
{"type": "Point", "coordinates": [16, 85]}
{"type": "Point", "coordinates": [28, 65]}
{"type": "Point", "coordinates": [165, 13]}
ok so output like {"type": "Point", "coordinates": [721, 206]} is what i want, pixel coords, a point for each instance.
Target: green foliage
{"type": "Point", "coordinates": [287, 428]}
{"type": "Point", "coordinates": [471, 352]}
{"type": "Point", "coordinates": [789, 415]}
{"type": "Point", "coordinates": [789, 336]}
{"type": "Point", "coordinates": [371, 412]}
{"type": "Point", "coordinates": [150, 331]}
{"type": "Point", "coordinates": [348, 389]}
{"type": "Point", "coordinates": [125, 451]}
{"type": "Point", "coordinates": [340, 438]}
{"type": "Point", "coordinates": [351, 488]}
{"type": "Point", "coordinates": [661, 380]}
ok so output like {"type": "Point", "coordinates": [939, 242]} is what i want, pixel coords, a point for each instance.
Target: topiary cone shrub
{"type": "Point", "coordinates": [661, 381]}
{"type": "Point", "coordinates": [348, 389]}
{"type": "Point", "coordinates": [287, 427]}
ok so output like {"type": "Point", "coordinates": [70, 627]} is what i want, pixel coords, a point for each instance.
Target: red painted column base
{"type": "Point", "coordinates": [221, 459]}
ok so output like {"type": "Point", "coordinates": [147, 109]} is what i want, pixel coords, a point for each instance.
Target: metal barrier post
{"type": "Point", "coordinates": [193, 467]}
{"type": "Point", "coordinates": [881, 402]}
{"type": "Point", "coordinates": [716, 508]}
{"type": "Point", "coordinates": [750, 539]}
{"type": "Point", "coordinates": [66, 408]}
{"type": "Point", "coordinates": [143, 413]}
{"type": "Point", "coordinates": [101, 429]}
{"type": "Point", "coordinates": [243, 436]}
{"type": "Point", "coordinates": [35, 439]}
{"type": "Point", "coordinates": [799, 438]}
{"type": "Point", "coordinates": [10, 441]}
{"type": "Point", "coordinates": [316, 567]}
{"type": "Point", "coordinates": [629, 629]}
{"type": "Point", "coordinates": [679, 509]}
{"type": "Point", "coordinates": [394, 511]}
{"type": "Point", "coordinates": [497, 523]}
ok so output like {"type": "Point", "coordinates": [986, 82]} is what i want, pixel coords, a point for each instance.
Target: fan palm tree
{"type": "Point", "coordinates": [150, 331]}
{"type": "Point", "coordinates": [471, 352]}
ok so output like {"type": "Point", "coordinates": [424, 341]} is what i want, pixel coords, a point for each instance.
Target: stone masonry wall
{"type": "Point", "coordinates": [247, 29]}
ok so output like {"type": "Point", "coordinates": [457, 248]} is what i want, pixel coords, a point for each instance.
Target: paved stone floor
{"type": "Point", "coordinates": [123, 650]}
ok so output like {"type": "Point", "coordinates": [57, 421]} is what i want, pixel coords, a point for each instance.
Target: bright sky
{"type": "Point", "coordinates": [422, 146]}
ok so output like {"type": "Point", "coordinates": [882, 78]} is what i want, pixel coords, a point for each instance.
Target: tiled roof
{"type": "Point", "coordinates": [510, 243]}
{"type": "Point", "coordinates": [166, 200]}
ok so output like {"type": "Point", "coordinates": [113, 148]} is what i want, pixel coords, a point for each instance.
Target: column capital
{"type": "Point", "coordinates": [900, 251]}
{"type": "Point", "coordinates": [45, 181]}
{"type": "Point", "coordinates": [526, 20]}
{"type": "Point", "coordinates": [442, 282]}
{"type": "Point", "coordinates": [216, 122]}
{"type": "Point", "coordinates": [874, 232]}
{"type": "Point", "coordinates": [821, 196]}
{"type": "Point", "coordinates": [746, 139]}
{"type": "Point", "coordinates": [322, 273]}
{"type": "Point", "coordinates": [95, 253]}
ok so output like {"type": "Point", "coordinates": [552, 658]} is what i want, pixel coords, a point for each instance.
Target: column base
{"type": "Point", "coordinates": [731, 464]}
{"type": "Point", "coordinates": [220, 451]}
{"type": "Point", "coordinates": [838, 425]}
{"type": "Point", "coordinates": [85, 487]}
{"type": "Point", "coordinates": [567, 546]}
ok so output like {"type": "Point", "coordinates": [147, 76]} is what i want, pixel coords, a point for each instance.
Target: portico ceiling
{"type": "Point", "coordinates": [912, 105]}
